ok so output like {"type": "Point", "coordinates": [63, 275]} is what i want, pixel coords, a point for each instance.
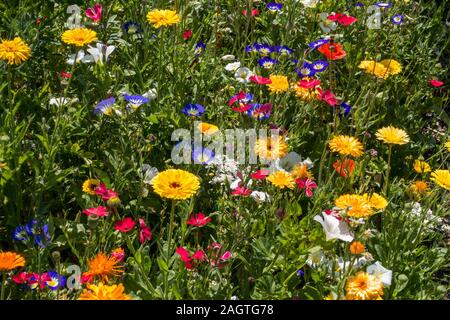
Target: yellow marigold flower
{"type": "Point", "coordinates": [104, 292]}
{"type": "Point", "coordinates": [176, 184]}
{"type": "Point", "coordinates": [271, 148]}
{"type": "Point", "coordinates": [10, 260]}
{"type": "Point", "coordinates": [420, 188]}
{"type": "Point", "coordinates": [346, 145]}
{"type": "Point", "coordinates": [282, 179]}
{"type": "Point", "coordinates": [421, 166]}
{"type": "Point", "coordinates": [90, 185]}
{"type": "Point", "coordinates": [14, 51]}
{"type": "Point", "coordinates": [357, 247]}
{"type": "Point", "coordinates": [375, 68]}
{"type": "Point", "coordinates": [441, 178]}
{"type": "Point", "coordinates": [392, 66]}
{"type": "Point", "coordinates": [392, 135]}
{"type": "Point", "coordinates": [304, 93]}
{"type": "Point", "coordinates": [364, 286]}
{"type": "Point", "coordinates": [207, 128]}
{"type": "Point", "coordinates": [376, 201]}
{"type": "Point", "coordinates": [300, 171]}
{"type": "Point", "coordinates": [447, 145]}
{"type": "Point", "coordinates": [79, 36]}
{"type": "Point", "coordinates": [357, 206]}
{"type": "Point", "coordinates": [279, 84]}
{"type": "Point", "coordinates": [160, 18]}
{"type": "Point", "coordinates": [103, 266]}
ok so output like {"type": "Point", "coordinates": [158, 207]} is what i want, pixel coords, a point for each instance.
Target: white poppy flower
{"type": "Point", "coordinates": [377, 270]}
{"type": "Point", "coordinates": [232, 66]}
{"type": "Point", "coordinates": [259, 196]}
{"type": "Point", "coordinates": [334, 228]}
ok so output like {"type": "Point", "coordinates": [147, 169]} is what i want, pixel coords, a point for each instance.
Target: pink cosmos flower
{"type": "Point", "coordinates": [94, 13]}
{"type": "Point", "coordinates": [436, 83]}
{"type": "Point", "coordinates": [260, 174]}
{"type": "Point", "coordinates": [105, 193]}
{"type": "Point", "coordinates": [198, 220]}
{"type": "Point", "coordinates": [125, 225]}
{"type": "Point", "coordinates": [328, 97]}
{"type": "Point", "coordinates": [307, 185]}
{"type": "Point", "coordinates": [145, 233]}
{"type": "Point", "coordinates": [98, 211]}
{"type": "Point", "coordinates": [259, 79]}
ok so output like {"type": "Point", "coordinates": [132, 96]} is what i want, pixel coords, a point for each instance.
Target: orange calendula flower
{"type": "Point", "coordinates": [441, 178]}
{"type": "Point", "coordinates": [345, 145]}
{"type": "Point", "coordinates": [103, 266]}
{"type": "Point", "coordinates": [90, 185]}
{"type": "Point", "coordinates": [300, 171]}
{"type": "Point", "coordinates": [344, 167]}
{"type": "Point", "coordinates": [79, 36]}
{"type": "Point", "coordinates": [271, 148]}
{"type": "Point", "coordinates": [376, 201]}
{"type": "Point", "coordinates": [104, 292]}
{"type": "Point", "coordinates": [282, 179]}
{"type": "Point", "coordinates": [176, 184]}
{"type": "Point", "coordinates": [421, 166]}
{"type": "Point", "coordinates": [278, 84]}
{"type": "Point", "coordinates": [14, 51]}
{"type": "Point", "coordinates": [355, 205]}
{"type": "Point", "coordinates": [163, 18]}
{"type": "Point", "coordinates": [333, 51]}
{"type": "Point", "coordinates": [392, 135]}
{"type": "Point", "coordinates": [357, 247]}
{"type": "Point", "coordinates": [10, 260]}
{"type": "Point", "coordinates": [364, 286]}
{"type": "Point", "coordinates": [207, 128]}
{"type": "Point", "coordinates": [420, 188]}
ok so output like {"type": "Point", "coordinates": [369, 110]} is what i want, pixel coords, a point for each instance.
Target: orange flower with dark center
{"type": "Point", "coordinates": [344, 167]}
{"type": "Point", "coordinates": [10, 260]}
{"type": "Point", "coordinates": [103, 266]}
{"type": "Point", "coordinates": [357, 247]}
{"type": "Point", "coordinates": [333, 51]}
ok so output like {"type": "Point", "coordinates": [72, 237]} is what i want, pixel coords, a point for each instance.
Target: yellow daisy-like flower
{"type": "Point", "coordinates": [346, 145]}
{"type": "Point", "coordinates": [377, 201]}
{"type": "Point", "coordinates": [304, 93]}
{"type": "Point", "coordinates": [207, 128]}
{"type": "Point", "coordinates": [364, 286]}
{"type": "Point", "coordinates": [79, 36]}
{"type": "Point", "coordinates": [441, 178]}
{"type": "Point", "coordinates": [160, 18]}
{"type": "Point", "coordinates": [10, 260]}
{"type": "Point", "coordinates": [282, 179]}
{"type": "Point", "coordinates": [447, 145]}
{"type": "Point", "coordinates": [420, 188]}
{"type": "Point", "coordinates": [300, 171]}
{"type": "Point", "coordinates": [90, 185]}
{"type": "Point", "coordinates": [14, 51]}
{"type": "Point", "coordinates": [421, 166]}
{"type": "Point", "coordinates": [176, 184]}
{"type": "Point", "coordinates": [392, 135]}
{"type": "Point", "coordinates": [279, 84]}
{"type": "Point", "coordinates": [104, 266]}
{"type": "Point", "coordinates": [392, 66]}
{"type": "Point", "coordinates": [271, 148]}
{"type": "Point", "coordinates": [355, 205]}
{"type": "Point", "coordinates": [104, 292]}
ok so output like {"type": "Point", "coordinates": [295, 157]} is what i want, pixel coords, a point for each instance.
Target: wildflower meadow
{"type": "Point", "coordinates": [224, 150]}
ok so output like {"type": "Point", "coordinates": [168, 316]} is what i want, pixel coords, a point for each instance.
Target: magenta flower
{"type": "Point", "coordinates": [98, 211]}
{"type": "Point", "coordinates": [198, 220]}
{"type": "Point", "coordinates": [145, 233]}
{"type": "Point", "coordinates": [94, 13]}
{"type": "Point", "coordinates": [125, 225]}
{"type": "Point", "coordinates": [307, 185]}
{"type": "Point", "coordinates": [105, 193]}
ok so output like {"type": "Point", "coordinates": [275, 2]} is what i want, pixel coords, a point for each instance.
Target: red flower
{"type": "Point", "coordinates": [199, 255]}
{"type": "Point", "coordinates": [342, 19]}
{"type": "Point", "coordinates": [187, 34]}
{"type": "Point", "coordinates": [65, 75]}
{"type": "Point", "coordinates": [328, 97]}
{"type": "Point", "coordinates": [436, 83]}
{"type": "Point", "coordinates": [344, 167]}
{"type": "Point", "coordinates": [124, 225]}
{"type": "Point", "coordinates": [260, 174]}
{"type": "Point", "coordinates": [185, 257]}
{"type": "Point", "coordinates": [259, 79]}
{"type": "Point", "coordinates": [333, 213]}
{"type": "Point", "coordinates": [242, 106]}
{"type": "Point", "coordinates": [307, 185]}
{"type": "Point", "coordinates": [254, 12]}
{"type": "Point", "coordinates": [105, 193]}
{"type": "Point", "coordinates": [21, 278]}
{"type": "Point", "coordinates": [241, 191]}
{"type": "Point", "coordinates": [86, 278]}
{"type": "Point", "coordinates": [308, 83]}
{"type": "Point", "coordinates": [95, 14]}
{"type": "Point", "coordinates": [98, 211]}
{"type": "Point", "coordinates": [198, 220]}
{"type": "Point", "coordinates": [145, 234]}
{"type": "Point", "coordinates": [333, 51]}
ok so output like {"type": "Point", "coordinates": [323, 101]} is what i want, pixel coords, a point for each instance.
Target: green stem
{"type": "Point", "coordinates": [386, 182]}
{"type": "Point", "coordinates": [2, 295]}
{"type": "Point", "coordinates": [169, 245]}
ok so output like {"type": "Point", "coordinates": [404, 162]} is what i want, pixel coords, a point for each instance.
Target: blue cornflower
{"type": "Point", "coordinates": [105, 107]}
{"type": "Point", "coordinates": [347, 108]}
{"type": "Point", "coordinates": [132, 27]}
{"type": "Point", "coordinates": [199, 48]}
{"type": "Point", "coordinates": [56, 280]}
{"type": "Point", "coordinates": [267, 63]}
{"type": "Point", "coordinates": [20, 234]}
{"type": "Point", "coordinates": [305, 71]}
{"type": "Point", "coordinates": [274, 7]}
{"type": "Point", "coordinates": [315, 44]}
{"type": "Point", "coordinates": [193, 110]}
{"type": "Point", "coordinates": [202, 155]}
{"type": "Point", "coordinates": [135, 101]}
{"type": "Point", "coordinates": [263, 48]}
{"type": "Point", "coordinates": [32, 228]}
{"type": "Point", "coordinates": [383, 4]}
{"type": "Point", "coordinates": [284, 50]}
{"type": "Point", "coordinates": [397, 19]}
{"type": "Point", "coordinates": [319, 66]}
{"type": "Point", "coordinates": [359, 4]}
{"type": "Point", "coordinates": [300, 273]}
